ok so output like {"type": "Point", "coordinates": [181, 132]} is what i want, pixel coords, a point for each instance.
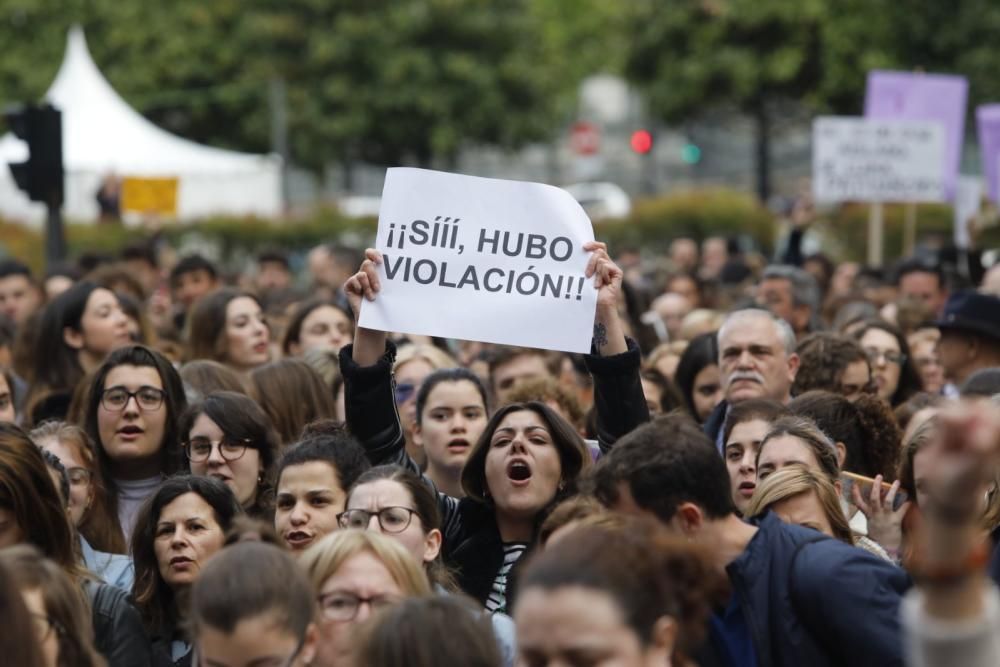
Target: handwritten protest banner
{"type": "Point", "coordinates": [856, 159]}
{"type": "Point", "coordinates": [923, 97]}
{"type": "Point", "coordinates": [482, 259]}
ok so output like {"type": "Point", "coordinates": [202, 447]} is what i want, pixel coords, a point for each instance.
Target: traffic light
{"type": "Point", "coordinates": [691, 153]}
{"type": "Point", "coordinates": [41, 176]}
{"type": "Point", "coordinates": [642, 141]}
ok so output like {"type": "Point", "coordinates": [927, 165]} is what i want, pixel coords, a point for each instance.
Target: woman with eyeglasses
{"type": "Point", "coordinates": [227, 436]}
{"type": "Point", "coordinates": [178, 530]}
{"type": "Point", "coordinates": [355, 574]}
{"type": "Point", "coordinates": [133, 406]}
{"type": "Point", "coordinates": [398, 504]}
{"type": "Point", "coordinates": [89, 509]}
{"type": "Point", "coordinates": [527, 458]}
{"type": "Point", "coordinates": [57, 607]}
{"type": "Point", "coordinates": [892, 365]}
{"type": "Point", "coordinates": [253, 605]}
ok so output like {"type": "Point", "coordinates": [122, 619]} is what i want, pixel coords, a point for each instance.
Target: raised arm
{"type": "Point", "coordinates": [953, 615]}
{"type": "Point", "coordinates": [369, 401]}
{"type": "Point", "coordinates": [614, 360]}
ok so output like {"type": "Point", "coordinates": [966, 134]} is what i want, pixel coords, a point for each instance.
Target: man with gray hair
{"type": "Point", "coordinates": [792, 294]}
{"type": "Point", "coordinates": [757, 359]}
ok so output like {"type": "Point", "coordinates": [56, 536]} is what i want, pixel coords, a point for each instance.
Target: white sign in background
{"type": "Point", "coordinates": [856, 159]}
{"type": "Point", "coordinates": [482, 259]}
{"type": "Point", "coordinates": [968, 193]}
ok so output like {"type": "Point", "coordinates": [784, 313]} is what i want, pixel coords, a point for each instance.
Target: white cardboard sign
{"type": "Point", "coordinates": [858, 159]}
{"type": "Point", "coordinates": [482, 259]}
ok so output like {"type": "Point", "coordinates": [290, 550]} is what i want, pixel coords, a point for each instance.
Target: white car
{"type": "Point", "coordinates": [601, 200]}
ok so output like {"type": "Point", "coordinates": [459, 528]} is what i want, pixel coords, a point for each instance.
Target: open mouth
{"type": "Point", "coordinates": [458, 446]}
{"type": "Point", "coordinates": [297, 539]}
{"type": "Point", "coordinates": [130, 430]}
{"type": "Point", "coordinates": [219, 476]}
{"type": "Point", "coordinates": [747, 488]}
{"type": "Point", "coordinates": [518, 471]}
{"type": "Point", "coordinates": [260, 348]}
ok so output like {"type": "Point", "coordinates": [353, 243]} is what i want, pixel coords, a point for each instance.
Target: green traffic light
{"type": "Point", "coordinates": [690, 154]}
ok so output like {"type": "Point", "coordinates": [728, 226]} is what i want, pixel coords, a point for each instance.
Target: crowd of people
{"type": "Point", "coordinates": [759, 463]}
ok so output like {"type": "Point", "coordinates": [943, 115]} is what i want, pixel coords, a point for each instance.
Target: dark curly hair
{"type": "Point", "coordinates": [866, 427]}
{"type": "Point", "coordinates": [823, 358]}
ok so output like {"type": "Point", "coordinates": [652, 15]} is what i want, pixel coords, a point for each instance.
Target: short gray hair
{"type": "Point", "coordinates": [805, 291]}
{"type": "Point", "coordinates": [784, 330]}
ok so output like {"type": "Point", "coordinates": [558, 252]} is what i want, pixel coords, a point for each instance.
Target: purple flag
{"type": "Point", "coordinates": [915, 96]}
{"type": "Point", "coordinates": [988, 125]}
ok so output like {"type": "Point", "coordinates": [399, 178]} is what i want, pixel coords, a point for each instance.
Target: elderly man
{"type": "Point", "coordinates": [790, 293]}
{"type": "Point", "coordinates": [757, 359]}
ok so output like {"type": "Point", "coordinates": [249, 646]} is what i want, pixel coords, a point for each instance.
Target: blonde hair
{"type": "Point", "coordinates": [700, 320]}
{"type": "Point", "coordinates": [796, 480]}
{"type": "Point", "coordinates": [674, 347]}
{"type": "Point", "coordinates": [437, 358]}
{"type": "Point", "coordinates": [322, 560]}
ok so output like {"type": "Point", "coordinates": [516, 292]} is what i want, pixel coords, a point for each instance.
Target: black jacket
{"type": "Point", "coordinates": [715, 421]}
{"type": "Point", "coordinates": [472, 544]}
{"type": "Point", "coordinates": [811, 600]}
{"type": "Point", "coordinates": [118, 632]}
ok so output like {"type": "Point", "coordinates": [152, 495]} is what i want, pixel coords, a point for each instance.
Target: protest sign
{"type": "Point", "coordinates": [988, 128]}
{"type": "Point", "coordinates": [856, 159]}
{"type": "Point", "coordinates": [482, 259]}
{"type": "Point", "coordinates": [967, 202]}
{"type": "Point", "coordinates": [927, 97]}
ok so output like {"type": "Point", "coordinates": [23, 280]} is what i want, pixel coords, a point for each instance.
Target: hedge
{"type": "Point", "coordinates": [652, 225]}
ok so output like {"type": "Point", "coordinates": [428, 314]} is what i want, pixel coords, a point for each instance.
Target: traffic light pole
{"type": "Point", "coordinates": [55, 239]}
{"type": "Point", "coordinates": [42, 176]}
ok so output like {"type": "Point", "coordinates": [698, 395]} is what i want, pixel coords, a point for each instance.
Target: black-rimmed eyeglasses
{"type": "Point", "coordinates": [200, 449]}
{"type": "Point", "coordinates": [391, 519]}
{"type": "Point", "coordinates": [147, 398]}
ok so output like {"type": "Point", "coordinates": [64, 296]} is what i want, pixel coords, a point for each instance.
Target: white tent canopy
{"type": "Point", "coordinates": [102, 134]}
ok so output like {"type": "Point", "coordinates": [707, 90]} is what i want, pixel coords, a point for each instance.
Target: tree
{"type": "Point", "coordinates": [693, 56]}
{"type": "Point", "coordinates": [389, 81]}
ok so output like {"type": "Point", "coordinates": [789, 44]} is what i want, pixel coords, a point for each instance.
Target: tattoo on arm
{"type": "Point", "coordinates": [600, 335]}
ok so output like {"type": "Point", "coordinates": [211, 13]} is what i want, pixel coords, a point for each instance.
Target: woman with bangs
{"type": "Point", "coordinates": [527, 458]}
{"type": "Point", "coordinates": [133, 408]}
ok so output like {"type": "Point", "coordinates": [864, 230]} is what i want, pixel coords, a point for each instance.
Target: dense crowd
{"type": "Point", "coordinates": [759, 463]}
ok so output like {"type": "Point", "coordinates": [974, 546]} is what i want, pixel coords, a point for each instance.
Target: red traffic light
{"type": "Point", "coordinates": [642, 141]}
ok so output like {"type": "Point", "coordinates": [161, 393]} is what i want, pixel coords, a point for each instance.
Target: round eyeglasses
{"type": "Point", "coordinates": [147, 398]}
{"type": "Point", "coordinates": [391, 519]}
{"type": "Point", "coordinates": [200, 449]}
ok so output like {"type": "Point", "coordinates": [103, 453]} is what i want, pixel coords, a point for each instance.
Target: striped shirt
{"type": "Point", "coordinates": [497, 601]}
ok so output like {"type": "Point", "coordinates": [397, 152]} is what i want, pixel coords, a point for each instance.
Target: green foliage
{"type": "Point", "coordinates": [389, 81]}
{"type": "Point", "coordinates": [697, 214]}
